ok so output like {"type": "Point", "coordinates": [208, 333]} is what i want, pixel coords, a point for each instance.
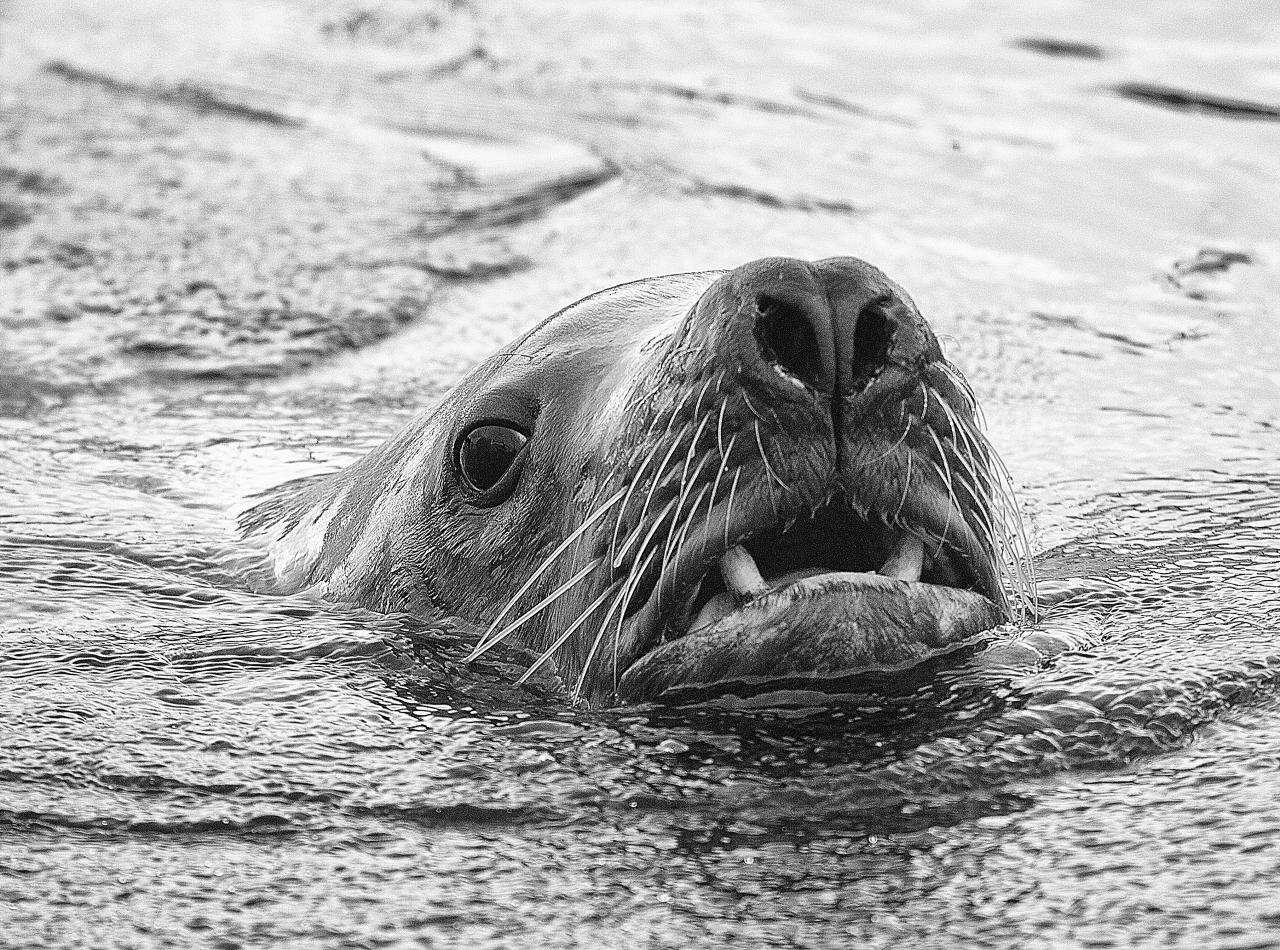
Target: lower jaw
{"type": "Point", "coordinates": [824, 627]}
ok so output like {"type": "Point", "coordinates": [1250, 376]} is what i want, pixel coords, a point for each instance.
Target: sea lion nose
{"type": "Point", "coordinates": [831, 326]}
{"type": "Point", "coordinates": [780, 323]}
{"type": "Point", "coordinates": [794, 331]}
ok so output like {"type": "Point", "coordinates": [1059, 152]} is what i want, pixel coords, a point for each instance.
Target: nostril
{"type": "Point", "coordinates": [787, 339]}
{"type": "Point", "coordinates": [871, 342]}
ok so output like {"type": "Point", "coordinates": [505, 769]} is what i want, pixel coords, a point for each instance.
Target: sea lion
{"type": "Point", "coordinates": [691, 479]}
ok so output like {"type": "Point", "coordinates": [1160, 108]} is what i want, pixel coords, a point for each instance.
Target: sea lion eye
{"type": "Point", "coordinates": [486, 458]}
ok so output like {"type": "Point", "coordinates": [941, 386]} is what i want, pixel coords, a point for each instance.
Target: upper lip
{"type": "Point", "coordinates": [927, 537]}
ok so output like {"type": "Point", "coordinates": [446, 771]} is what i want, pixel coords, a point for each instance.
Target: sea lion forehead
{"type": "Point", "coordinates": [616, 316]}
{"type": "Point", "coordinates": [578, 348]}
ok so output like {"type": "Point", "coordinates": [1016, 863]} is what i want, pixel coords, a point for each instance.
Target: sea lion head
{"type": "Point", "coordinates": [719, 476]}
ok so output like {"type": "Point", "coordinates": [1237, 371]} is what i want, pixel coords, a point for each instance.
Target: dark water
{"type": "Point", "coordinates": [186, 763]}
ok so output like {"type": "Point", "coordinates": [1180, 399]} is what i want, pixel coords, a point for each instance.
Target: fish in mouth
{"type": "Point", "coordinates": [810, 499]}
{"type": "Point", "coordinates": [769, 474]}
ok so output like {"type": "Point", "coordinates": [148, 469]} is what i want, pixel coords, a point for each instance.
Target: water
{"type": "Point", "coordinates": [186, 762]}
{"type": "Point", "coordinates": [185, 759]}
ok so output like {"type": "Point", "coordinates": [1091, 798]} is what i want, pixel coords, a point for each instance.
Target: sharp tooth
{"type": "Point", "coordinates": [906, 561]}
{"type": "Point", "coordinates": [741, 576]}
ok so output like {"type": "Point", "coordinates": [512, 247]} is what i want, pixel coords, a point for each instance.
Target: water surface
{"type": "Point", "coordinates": [186, 762]}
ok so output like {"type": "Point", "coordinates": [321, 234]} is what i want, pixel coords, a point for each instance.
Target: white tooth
{"type": "Point", "coordinates": [906, 561]}
{"type": "Point", "coordinates": [741, 576]}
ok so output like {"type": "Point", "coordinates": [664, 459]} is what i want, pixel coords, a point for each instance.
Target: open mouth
{"type": "Point", "coordinates": [832, 540]}
{"type": "Point", "coordinates": [829, 594]}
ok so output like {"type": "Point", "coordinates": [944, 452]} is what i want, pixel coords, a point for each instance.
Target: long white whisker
{"type": "Point", "coordinates": [536, 609]}
{"type": "Point", "coordinates": [724, 404]}
{"type": "Point", "coordinates": [764, 459]}
{"type": "Point", "coordinates": [1023, 564]}
{"type": "Point", "coordinates": [684, 496]}
{"type": "Point", "coordinates": [685, 485]}
{"type": "Point", "coordinates": [960, 431]}
{"type": "Point", "coordinates": [715, 485]}
{"type": "Point", "coordinates": [644, 509]}
{"type": "Point", "coordinates": [952, 502]}
{"type": "Point", "coordinates": [982, 499]}
{"type": "Point", "coordinates": [560, 640]}
{"type": "Point", "coordinates": [542, 569]}
{"type": "Point", "coordinates": [1000, 496]}
{"type": "Point", "coordinates": [595, 644]}
{"type": "Point", "coordinates": [983, 526]}
{"type": "Point", "coordinates": [675, 411]}
{"type": "Point", "coordinates": [697, 406]}
{"type": "Point", "coordinates": [653, 529]}
{"type": "Point", "coordinates": [999, 542]}
{"type": "Point", "coordinates": [1026, 565]}
{"type": "Point", "coordinates": [635, 482]}
{"type": "Point", "coordinates": [684, 480]}
{"type": "Point", "coordinates": [633, 581]}
{"type": "Point", "coordinates": [693, 447]}
{"type": "Point", "coordinates": [962, 385]}
{"type": "Point", "coordinates": [684, 533]}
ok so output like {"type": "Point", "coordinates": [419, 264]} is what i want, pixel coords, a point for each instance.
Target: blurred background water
{"type": "Point", "coordinates": [241, 242]}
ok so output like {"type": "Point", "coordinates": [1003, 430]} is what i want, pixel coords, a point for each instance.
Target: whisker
{"type": "Point", "coordinates": [724, 404]}
{"type": "Point", "coordinates": [773, 496]}
{"type": "Point", "coordinates": [684, 496]}
{"type": "Point", "coordinates": [629, 589]}
{"type": "Point", "coordinates": [675, 412]}
{"type": "Point", "coordinates": [906, 488]}
{"type": "Point", "coordinates": [682, 493]}
{"type": "Point", "coordinates": [728, 515]}
{"type": "Point", "coordinates": [543, 567]}
{"type": "Point", "coordinates": [751, 406]}
{"type": "Point", "coordinates": [697, 406]}
{"type": "Point", "coordinates": [536, 609]}
{"type": "Point", "coordinates": [983, 525]}
{"type": "Point", "coordinates": [952, 501]}
{"type": "Point", "coordinates": [764, 458]}
{"type": "Point", "coordinates": [962, 385]}
{"type": "Point", "coordinates": [644, 510]}
{"type": "Point", "coordinates": [679, 545]}
{"type": "Point", "coordinates": [675, 517]}
{"type": "Point", "coordinates": [595, 644]}
{"type": "Point", "coordinates": [890, 450]}
{"type": "Point", "coordinates": [1000, 497]}
{"type": "Point", "coordinates": [653, 529]}
{"type": "Point", "coordinates": [1016, 516]}
{"type": "Point", "coordinates": [970, 452]}
{"type": "Point", "coordinates": [635, 482]}
{"type": "Point", "coordinates": [715, 486]}
{"type": "Point", "coordinates": [693, 447]}
{"type": "Point", "coordinates": [560, 640]}
{"type": "Point", "coordinates": [711, 507]}
{"type": "Point", "coordinates": [982, 498]}
{"type": "Point", "coordinates": [1023, 563]}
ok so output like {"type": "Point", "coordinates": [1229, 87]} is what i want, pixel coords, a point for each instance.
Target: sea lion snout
{"type": "Point", "coordinates": [832, 327]}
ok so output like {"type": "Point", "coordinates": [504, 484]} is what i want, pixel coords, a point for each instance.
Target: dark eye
{"type": "Point", "coordinates": [487, 453]}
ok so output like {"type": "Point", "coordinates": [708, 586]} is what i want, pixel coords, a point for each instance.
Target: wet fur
{"type": "Point", "coordinates": [631, 396]}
